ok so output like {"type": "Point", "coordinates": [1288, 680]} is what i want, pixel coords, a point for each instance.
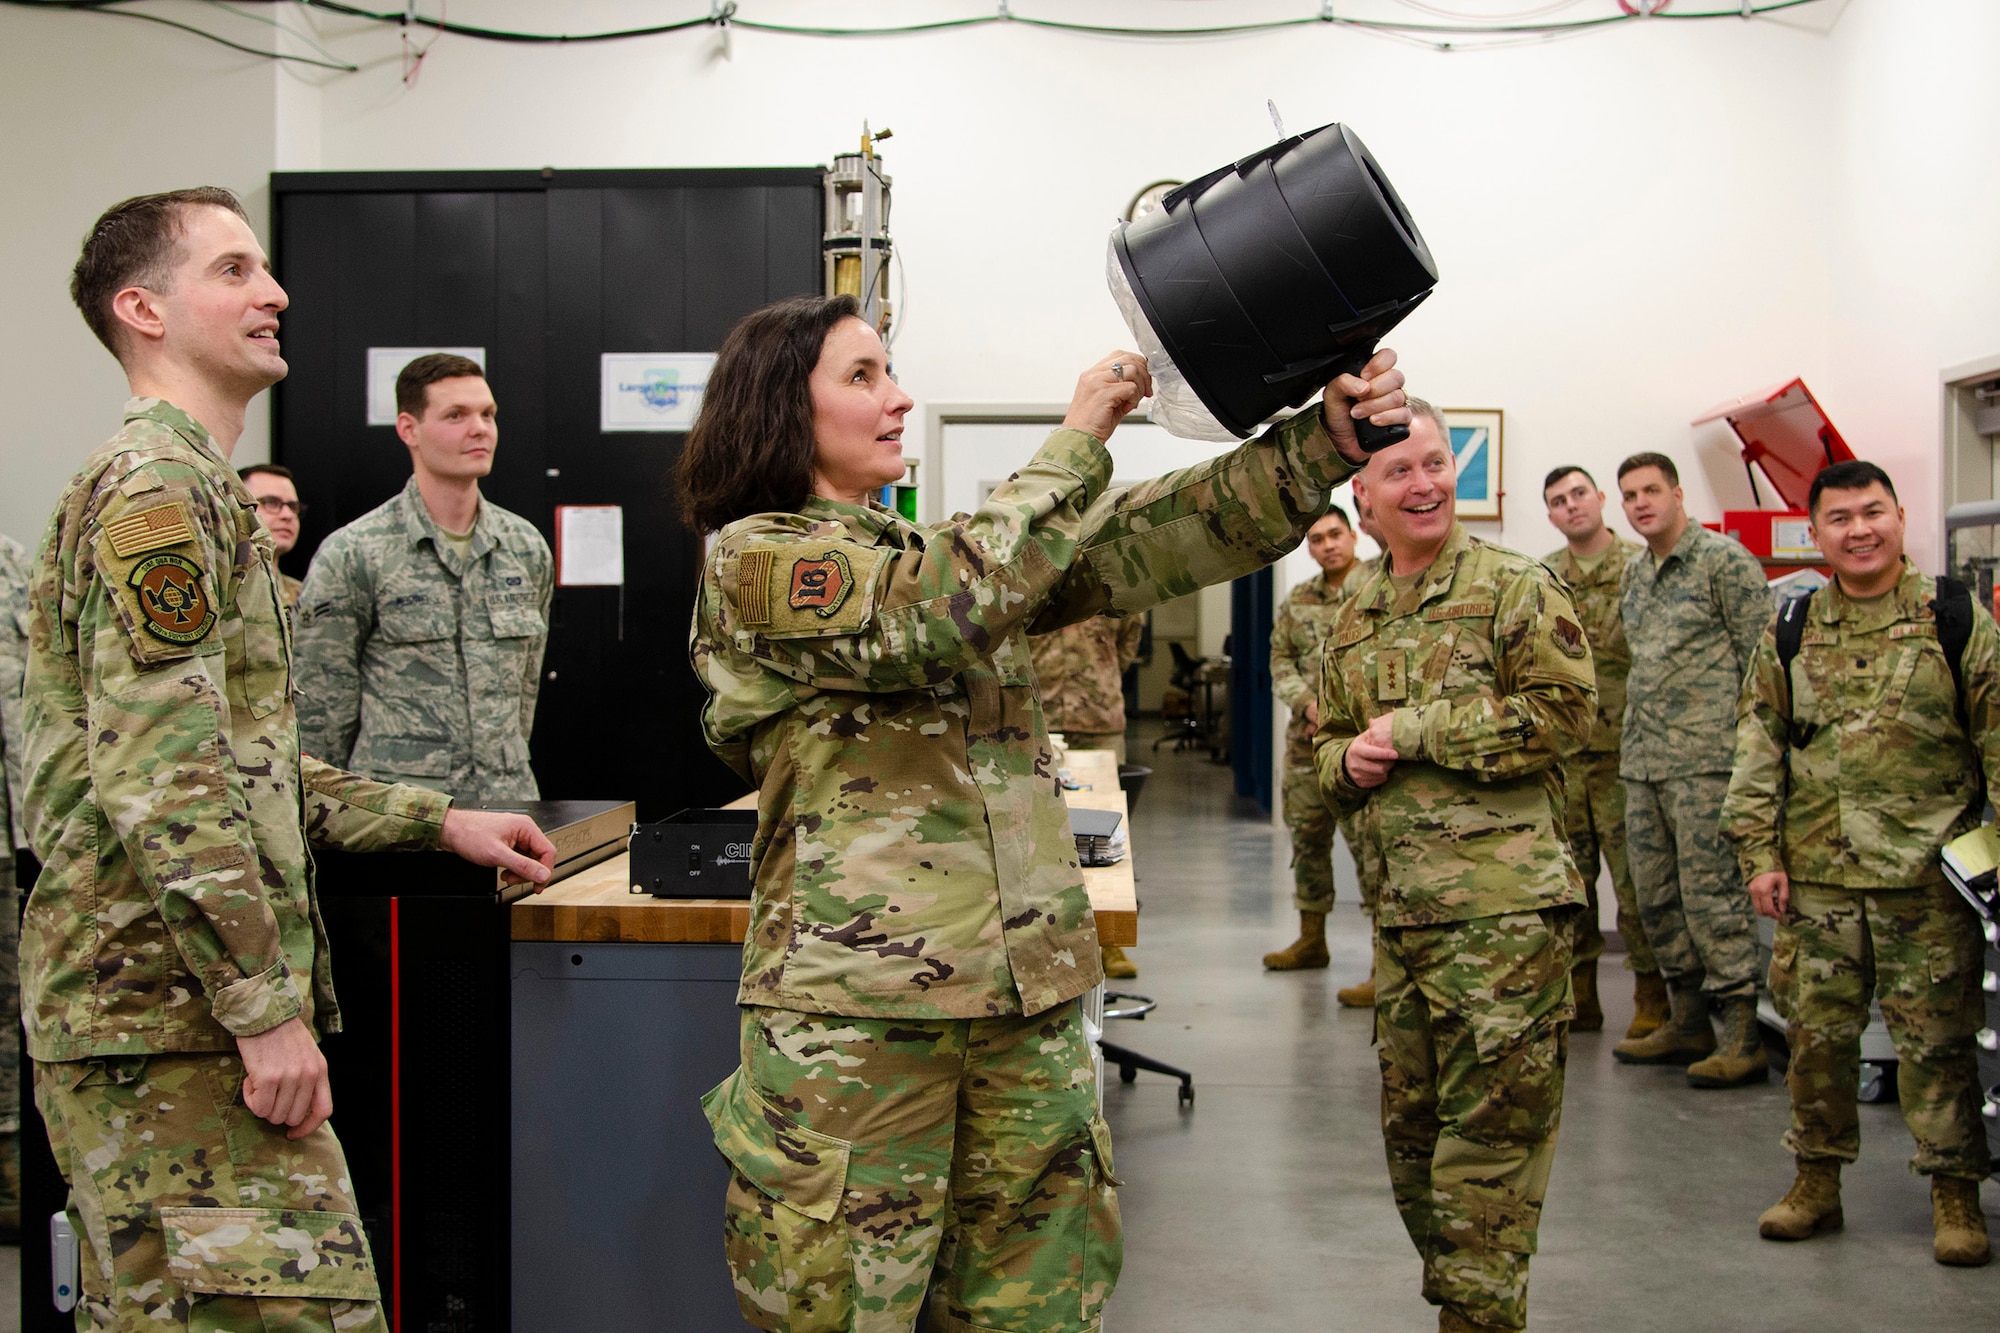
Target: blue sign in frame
{"type": "Point", "coordinates": [1476, 437]}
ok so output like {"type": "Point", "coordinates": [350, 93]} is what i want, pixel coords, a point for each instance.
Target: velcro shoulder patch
{"type": "Point", "coordinates": [155, 568]}
{"type": "Point", "coordinates": [150, 529]}
{"type": "Point", "coordinates": [1568, 636]}
{"type": "Point", "coordinates": [753, 588]}
{"type": "Point", "coordinates": [808, 588]}
{"type": "Point", "coordinates": [174, 606]}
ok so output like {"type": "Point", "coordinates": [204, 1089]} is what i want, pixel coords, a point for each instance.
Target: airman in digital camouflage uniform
{"type": "Point", "coordinates": [917, 1105]}
{"type": "Point", "coordinates": [1694, 605]}
{"type": "Point", "coordinates": [1298, 640]}
{"type": "Point", "coordinates": [174, 970]}
{"type": "Point", "coordinates": [1079, 673]}
{"type": "Point", "coordinates": [14, 568]}
{"type": "Point", "coordinates": [422, 623]}
{"type": "Point", "coordinates": [1456, 680]}
{"type": "Point", "coordinates": [1592, 562]}
{"type": "Point", "coordinates": [1850, 778]}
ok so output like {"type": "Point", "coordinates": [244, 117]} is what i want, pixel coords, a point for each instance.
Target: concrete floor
{"type": "Point", "coordinates": [1267, 1205]}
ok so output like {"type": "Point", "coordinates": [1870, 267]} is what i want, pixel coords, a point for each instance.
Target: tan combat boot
{"type": "Point", "coordinates": [1683, 1039]}
{"type": "Point", "coordinates": [1649, 1003]}
{"type": "Point", "coordinates": [1116, 964]}
{"type": "Point", "coordinates": [1308, 950]}
{"type": "Point", "coordinates": [1361, 996]}
{"type": "Point", "coordinates": [1583, 988]}
{"type": "Point", "coordinates": [1451, 1321]}
{"type": "Point", "coordinates": [1739, 1059]}
{"type": "Point", "coordinates": [1810, 1206]}
{"type": "Point", "coordinates": [1960, 1225]}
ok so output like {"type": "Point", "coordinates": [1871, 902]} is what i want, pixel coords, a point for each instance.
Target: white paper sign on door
{"type": "Point", "coordinates": [652, 391]}
{"type": "Point", "coordinates": [590, 546]}
{"type": "Point", "coordinates": [385, 363]}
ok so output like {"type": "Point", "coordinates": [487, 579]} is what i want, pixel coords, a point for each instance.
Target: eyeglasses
{"type": "Point", "coordinates": [271, 504]}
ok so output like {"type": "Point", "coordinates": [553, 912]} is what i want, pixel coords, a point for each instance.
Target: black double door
{"type": "Point", "coordinates": [547, 271]}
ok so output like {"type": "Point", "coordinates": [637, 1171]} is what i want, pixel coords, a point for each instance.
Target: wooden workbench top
{"type": "Point", "coordinates": [598, 906]}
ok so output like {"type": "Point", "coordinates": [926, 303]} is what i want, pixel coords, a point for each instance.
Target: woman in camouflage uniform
{"type": "Point", "coordinates": [917, 1105]}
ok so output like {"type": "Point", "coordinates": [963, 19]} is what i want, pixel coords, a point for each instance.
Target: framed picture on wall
{"type": "Point", "coordinates": [1476, 434]}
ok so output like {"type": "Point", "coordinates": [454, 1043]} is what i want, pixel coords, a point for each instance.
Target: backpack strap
{"type": "Point", "coordinates": [1791, 630]}
{"type": "Point", "coordinates": [1952, 608]}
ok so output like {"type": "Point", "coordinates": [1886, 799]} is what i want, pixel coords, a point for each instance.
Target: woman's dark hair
{"type": "Point", "coordinates": [751, 449]}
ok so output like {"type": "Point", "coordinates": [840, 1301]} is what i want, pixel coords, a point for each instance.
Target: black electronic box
{"type": "Point", "coordinates": [694, 854]}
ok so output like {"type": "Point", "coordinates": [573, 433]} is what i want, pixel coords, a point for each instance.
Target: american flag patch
{"type": "Point", "coordinates": [753, 587]}
{"type": "Point", "coordinates": [150, 529]}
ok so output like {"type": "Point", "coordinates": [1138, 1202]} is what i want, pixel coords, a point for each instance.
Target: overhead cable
{"type": "Point", "coordinates": [726, 14]}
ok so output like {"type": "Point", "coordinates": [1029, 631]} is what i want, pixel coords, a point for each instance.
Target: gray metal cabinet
{"type": "Point", "coordinates": [617, 1186]}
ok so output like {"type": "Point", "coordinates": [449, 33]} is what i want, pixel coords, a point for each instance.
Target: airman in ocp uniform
{"type": "Point", "coordinates": [1298, 642]}
{"type": "Point", "coordinates": [914, 1130]}
{"type": "Point", "coordinates": [1853, 770]}
{"type": "Point", "coordinates": [1592, 562]}
{"type": "Point", "coordinates": [175, 974]}
{"type": "Point", "coordinates": [14, 570]}
{"type": "Point", "coordinates": [1079, 674]}
{"type": "Point", "coordinates": [1456, 680]}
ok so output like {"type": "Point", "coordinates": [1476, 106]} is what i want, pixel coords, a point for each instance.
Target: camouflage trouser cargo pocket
{"type": "Point", "coordinates": [973, 1169]}
{"type": "Point", "coordinates": [268, 1252]}
{"type": "Point", "coordinates": [1784, 963]}
{"type": "Point", "coordinates": [193, 1213]}
{"type": "Point", "coordinates": [786, 1239]}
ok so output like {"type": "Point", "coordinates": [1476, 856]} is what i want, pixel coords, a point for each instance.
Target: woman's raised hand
{"type": "Point", "coordinates": [1376, 394]}
{"type": "Point", "coordinates": [1106, 392]}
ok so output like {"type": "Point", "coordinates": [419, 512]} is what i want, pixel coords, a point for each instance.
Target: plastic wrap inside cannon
{"type": "Point", "coordinates": [1175, 403]}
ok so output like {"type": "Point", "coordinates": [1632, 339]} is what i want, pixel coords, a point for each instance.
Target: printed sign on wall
{"type": "Point", "coordinates": [385, 363]}
{"type": "Point", "coordinates": [652, 391]}
{"type": "Point", "coordinates": [590, 546]}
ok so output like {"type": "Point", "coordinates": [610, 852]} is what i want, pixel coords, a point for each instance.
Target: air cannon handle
{"type": "Point", "coordinates": [1372, 438]}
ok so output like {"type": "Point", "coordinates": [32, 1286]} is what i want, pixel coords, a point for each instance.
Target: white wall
{"type": "Point", "coordinates": [1631, 226]}
{"type": "Point", "coordinates": [95, 110]}
{"type": "Point", "coordinates": [1914, 264]}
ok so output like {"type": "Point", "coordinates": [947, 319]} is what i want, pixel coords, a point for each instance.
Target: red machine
{"type": "Point", "coordinates": [1787, 435]}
